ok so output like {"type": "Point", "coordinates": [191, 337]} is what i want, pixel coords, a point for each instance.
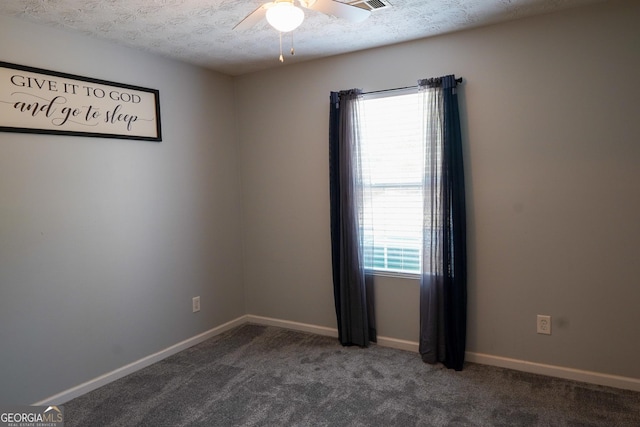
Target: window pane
{"type": "Point", "coordinates": [392, 151]}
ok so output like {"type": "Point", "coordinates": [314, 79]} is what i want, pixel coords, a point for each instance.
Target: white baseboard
{"type": "Point", "coordinates": [555, 371]}
{"type": "Point", "coordinates": [116, 374]}
{"type": "Point", "coordinates": [330, 332]}
{"type": "Point", "coordinates": [484, 359]}
{"type": "Point", "coordinates": [296, 326]}
{"type": "Point", "coordinates": [399, 344]}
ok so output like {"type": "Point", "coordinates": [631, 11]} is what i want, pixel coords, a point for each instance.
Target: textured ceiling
{"type": "Point", "coordinates": [201, 31]}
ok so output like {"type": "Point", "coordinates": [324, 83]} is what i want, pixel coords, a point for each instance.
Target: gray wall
{"type": "Point", "coordinates": [103, 243]}
{"type": "Point", "coordinates": [550, 118]}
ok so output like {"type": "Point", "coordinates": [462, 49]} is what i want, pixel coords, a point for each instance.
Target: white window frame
{"type": "Point", "coordinates": [391, 243]}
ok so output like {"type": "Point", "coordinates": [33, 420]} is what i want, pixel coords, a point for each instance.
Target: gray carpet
{"type": "Point", "coordinates": [265, 376]}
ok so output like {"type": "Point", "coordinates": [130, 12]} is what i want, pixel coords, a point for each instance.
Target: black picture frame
{"type": "Point", "coordinates": [39, 101]}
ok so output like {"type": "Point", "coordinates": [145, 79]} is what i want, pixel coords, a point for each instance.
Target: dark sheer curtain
{"type": "Point", "coordinates": [443, 286]}
{"type": "Point", "coordinates": [352, 285]}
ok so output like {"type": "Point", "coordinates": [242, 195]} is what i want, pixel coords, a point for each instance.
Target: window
{"type": "Point", "coordinates": [392, 165]}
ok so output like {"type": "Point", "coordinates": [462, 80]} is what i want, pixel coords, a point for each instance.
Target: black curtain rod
{"type": "Point", "coordinates": [458, 80]}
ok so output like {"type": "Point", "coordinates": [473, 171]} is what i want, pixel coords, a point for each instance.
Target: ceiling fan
{"type": "Point", "coordinates": [285, 16]}
{"type": "Point", "coordinates": [292, 16]}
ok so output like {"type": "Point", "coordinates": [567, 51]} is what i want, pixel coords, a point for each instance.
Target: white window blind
{"type": "Point", "coordinates": [392, 164]}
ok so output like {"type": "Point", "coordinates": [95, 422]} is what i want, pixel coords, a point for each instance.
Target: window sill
{"type": "Point", "coordinates": [396, 274]}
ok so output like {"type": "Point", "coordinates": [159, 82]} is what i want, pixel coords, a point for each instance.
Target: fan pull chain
{"type": "Point", "coordinates": [293, 52]}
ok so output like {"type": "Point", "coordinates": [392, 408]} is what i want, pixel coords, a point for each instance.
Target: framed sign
{"type": "Point", "coordinates": [34, 100]}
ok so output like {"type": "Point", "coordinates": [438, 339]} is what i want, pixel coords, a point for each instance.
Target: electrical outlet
{"type": "Point", "coordinates": [544, 324]}
{"type": "Point", "coordinates": [195, 303]}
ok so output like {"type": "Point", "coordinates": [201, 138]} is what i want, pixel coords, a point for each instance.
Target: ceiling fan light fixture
{"type": "Point", "coordinates": [284, 16]}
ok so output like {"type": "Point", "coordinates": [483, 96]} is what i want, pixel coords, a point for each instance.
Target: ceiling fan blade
{"type": "Point", "coordinates": [340, 10]}
{"type": "Point", "coordinates": [253, 18]}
